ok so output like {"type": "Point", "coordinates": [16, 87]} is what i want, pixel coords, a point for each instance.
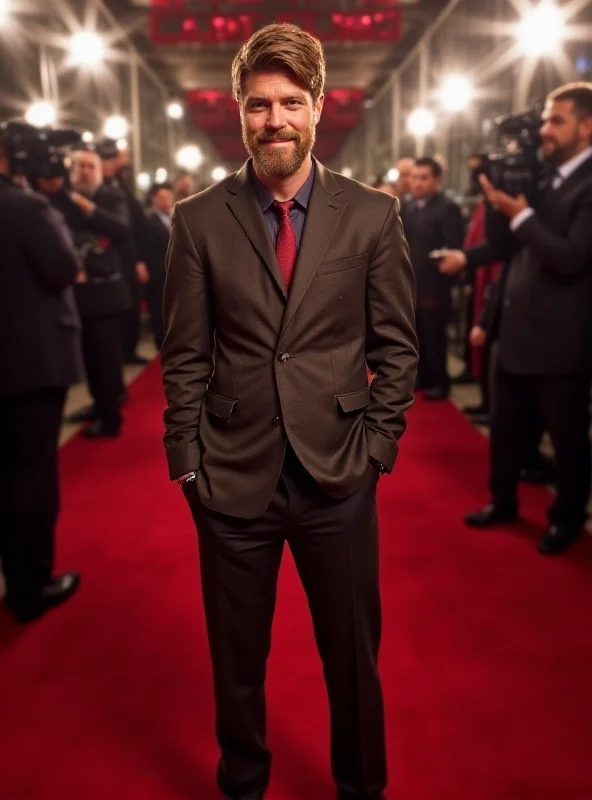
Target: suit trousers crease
{"type": "Point", "coordinates": [562, 403]}
{"type": "Point", "coordinates": [335, 548]}
{"type": "Point", "coordinates": [103, 362]}
{"type": "Point", "coordinates": [29, 492]}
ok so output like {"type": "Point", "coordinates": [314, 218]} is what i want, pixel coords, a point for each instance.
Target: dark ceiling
{"type": "Point", "coordinates": [191, 44]}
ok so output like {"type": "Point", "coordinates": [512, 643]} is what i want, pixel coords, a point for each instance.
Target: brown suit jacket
{"type": "Point", "coordinates": [247, 368]}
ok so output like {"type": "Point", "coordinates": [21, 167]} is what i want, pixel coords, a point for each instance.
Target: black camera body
{"type": "Point", "coordinates": [515, 164]}
{"type": "Point", "coordinates": [37, 152]}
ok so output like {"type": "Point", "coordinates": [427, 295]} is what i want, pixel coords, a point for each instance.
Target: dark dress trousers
{"type": "Point", "coordinates": [436, 225]}
{"type": "Point", "coordinates": [104, 298]}
{"type": "Point", "coordinates": [40, 356]}
{"type": "Point", "coordinates": [541, 313]}
{"type": "Point", "coordinates": [158, 237]}
{"type": "Point", "coordinates": [268, 399]}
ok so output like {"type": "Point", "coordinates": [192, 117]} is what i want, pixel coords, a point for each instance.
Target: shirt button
{"type": "Point", "coordinates": [276, 421]}
{"type": "Point", "coordinates": [284, 357]}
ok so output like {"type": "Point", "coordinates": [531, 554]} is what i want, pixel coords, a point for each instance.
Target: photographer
{"type": "Point", "coordinates": [545, 325]}
{"type": "Point", "coordinates": [96, 216]}
{"type": "Point", "coordinates": [39, 358]}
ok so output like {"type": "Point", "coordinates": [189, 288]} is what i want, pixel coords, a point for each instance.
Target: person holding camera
{"type": "Point", "coordinates": [545, 325]}
{"type": "Point", "coordinates": [97, 217]}
{"type": "Point", "coordinates": [40, 356]}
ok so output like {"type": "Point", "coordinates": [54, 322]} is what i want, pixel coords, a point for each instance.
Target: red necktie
{"type": "Point", "coordinates": [285, 247]}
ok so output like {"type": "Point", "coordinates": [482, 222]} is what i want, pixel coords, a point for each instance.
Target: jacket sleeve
{"type": "Point", "coordinates": [453, 227]}
{"type": "Point", "coordinates": [391, 343]}
{"type": "Point", "coordinates": [48, 246]}
{"type": "Point", "coordinates": [567, 256]}
{"type": "Point", "coordinates": [500, 238]}
{"type": "Point", "coordinates": [113, 222]}
{"type": "Point", "coordinates": [479, 255]}
{"type": "Point", "coordinates": [187, 350]}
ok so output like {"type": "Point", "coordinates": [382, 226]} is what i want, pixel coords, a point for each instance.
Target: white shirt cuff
{"type": "Point", "coordinates": [520, 218]}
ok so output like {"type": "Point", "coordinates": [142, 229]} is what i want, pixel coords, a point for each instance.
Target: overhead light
{"type": "Point", "coordinates": [4, 12]}
{"type": "Point", "coordinates": [161, 175]}
{"type": "Point", "coordinates": [121, 145]}
{"type": "Point", "coordinates": [392, 176]}
{"type": "Point", "coordinates": [541, 30]}
{"type": "Point", "coordinates": [88, 137]}
{"type": "Point", "coordinates": [175, 110]}
{"type": "Point", "coordinates": [421, 122]}
{"type": "Point", "coordinates": [456, 93]}
{"type": "Point", "coordinates": [347, 172]}
{"type": "Point", "coordinates": [41, 114]}
{"type": "Point", "coordinates": [86, 49]}
{"type": "Point", "coordinates": [116, 127]}
{"type": "Point", "coordinates": [219, 173]}
{"type": "Point", "coordinates": [189, 157]}
{"type": "Point", "coordinates": [143, 181]}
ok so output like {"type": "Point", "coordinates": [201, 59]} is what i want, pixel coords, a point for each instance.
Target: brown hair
{"type": "Point", "coordinates": [580, 93]}
{"type": "Point", "coordinates": [281, 47]}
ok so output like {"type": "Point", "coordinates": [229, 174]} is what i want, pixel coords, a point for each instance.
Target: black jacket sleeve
{"type": "Point", "coordinates": [453, 227]}
{"type": "Point", "coordinates": [110, 218]}
{"type": "Point", "coordinates": [48, 245]}
{"type": "Point", "coordinates": [500, 238]}
{"type": "Point", "coordinates": [479, 255]}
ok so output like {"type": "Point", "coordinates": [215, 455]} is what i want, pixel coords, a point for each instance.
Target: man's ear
{"type": "Point", "coordinates": [318, 109]}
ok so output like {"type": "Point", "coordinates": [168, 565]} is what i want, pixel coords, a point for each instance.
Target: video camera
{"type": "Point", "coordinates": [37, 152]}
{"type": "Point", "coordinates": [515, 165]}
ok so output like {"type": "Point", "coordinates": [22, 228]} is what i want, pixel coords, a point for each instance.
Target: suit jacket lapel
{"type": "Point", "coordinates": [322, 217]}
{"type": "Point", "coordinates": [582, 171]}
{"type": "Point", "coordinates": [244, 205]}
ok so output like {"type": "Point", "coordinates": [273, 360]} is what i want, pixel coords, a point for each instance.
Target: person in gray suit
{"type": "Point", "coordinates": [545, 324]}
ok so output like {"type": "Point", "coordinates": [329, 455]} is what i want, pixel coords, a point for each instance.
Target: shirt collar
{"type": "Point", "coordinates": [166, 220]}
{"type": "Point", "coordinates": [265, 198]}
{"type": "Point", "coordinates": [566, 169]}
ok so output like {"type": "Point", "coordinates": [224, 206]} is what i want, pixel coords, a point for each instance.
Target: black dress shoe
{"type": "Point", "coordinates": [435, 394]}
{"type": "Point", "coordinates": [557, 539]}
{"type": "Point", "coordinates": [56, 592]}
{"type": "Point", "coordinates": [82, 415]}
{"type": "Point", "coordinates": [100, 429]}
{"type": "Point", "coordinates": [490, 515]}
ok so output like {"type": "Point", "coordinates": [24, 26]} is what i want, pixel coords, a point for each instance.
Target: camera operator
{"type": "Point", "coordinates": [39, 358]}
{"type": "Point", "coordinates": [545, 328]}
{"type": "Point", "coordinates": [97, 217]}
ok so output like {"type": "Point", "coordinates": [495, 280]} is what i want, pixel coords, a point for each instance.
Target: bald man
{"type": "Point", "coordinates": [404, 167]}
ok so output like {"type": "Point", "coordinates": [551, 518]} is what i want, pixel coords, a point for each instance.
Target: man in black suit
{"type": "Point", "coordinates": [545, 324]}
{"type": "Point", "coordinates": [159, 226]}
{"type": "Point", "coordinates": [97, 217]}
{"type": "Point", "coordinates": [431, 222]}
{"type": "Point", "coordinates": [39, 358]}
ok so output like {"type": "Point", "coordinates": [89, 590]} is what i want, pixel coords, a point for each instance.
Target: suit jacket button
{"type": "Point", "coordinates": [276, 421]}
{"type": "Point", "coordinates": [284, 357]}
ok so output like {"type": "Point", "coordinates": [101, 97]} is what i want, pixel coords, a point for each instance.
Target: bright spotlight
{"type": "Point", "coordinates": [392, 176]}
{"type": "Point", "coordinates": [421, 122]}
{"type": "Point", "coordinates": [86, 49]}
{"type": "Point", "coordinates": [161, 175]}
{"type": "Point", "coordinates": [41, 114]}
{"type": "Point", "coordinates": [121, 145]}
{"type": "Point", "coordinates": [347, 172]}
{"type": "Point", "coordinates": [218, 174]}
{"type": "Point", "coordinates": [88, 137]}
{"type": "Point", "coordinates": [175, 110]}
{"type": "Point", "coordinates": [189, 157]}
{"type": "Point", "coordinates": [4, 12]}
{"type": "Point", "coordinates": [456, 93]}
{"type": "Point", "coordinates": [116, 127]}
{"type": "Point", "coordinates": [541, 30]}
{"type": "Point", "coordinates": [143, 181]}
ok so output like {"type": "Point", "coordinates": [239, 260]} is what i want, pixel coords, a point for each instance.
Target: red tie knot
{"type": "Point", "coordinates": [282, 207]}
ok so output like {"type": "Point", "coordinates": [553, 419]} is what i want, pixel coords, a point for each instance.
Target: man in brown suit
{"type": "Point", "coordinates": [284, 282]}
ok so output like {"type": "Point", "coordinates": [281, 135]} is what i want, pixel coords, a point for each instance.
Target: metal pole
{"type": "Point", "coordinates": [424, 66]}
{"type": "Point", "coordinates": [136, 114]}
{"type": "Point", "coordinates": [396, 119]}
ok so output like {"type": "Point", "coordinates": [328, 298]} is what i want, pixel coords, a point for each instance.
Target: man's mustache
{"type": "Point", "coordinates": [288, 137]}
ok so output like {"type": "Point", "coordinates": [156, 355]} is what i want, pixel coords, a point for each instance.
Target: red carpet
{"type": "Point", "coordinates": [486, 661]}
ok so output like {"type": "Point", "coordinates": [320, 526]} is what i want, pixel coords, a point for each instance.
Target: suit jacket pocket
{"type": "Point", "coordinates": [218, 406]}
{"type": "Point", "coordinates": [342, 264]}
{"type": "Point", "coordinates": [354, 401]}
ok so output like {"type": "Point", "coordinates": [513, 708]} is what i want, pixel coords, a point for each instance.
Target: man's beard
{"type": "Point", "coordinates": [279, 162]}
